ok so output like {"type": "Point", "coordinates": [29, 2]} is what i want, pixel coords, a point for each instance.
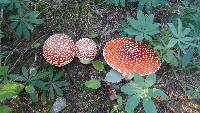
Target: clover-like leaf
{"type": "Point", "coordinates": [93, 84]}
{"type": "Point", "coordinates": [98, 65]}
{"type": "Point", "coordinates": [113, 76]}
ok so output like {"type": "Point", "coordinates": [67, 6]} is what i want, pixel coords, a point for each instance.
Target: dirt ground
{"type": "Point", "coordinates": [80, 19]}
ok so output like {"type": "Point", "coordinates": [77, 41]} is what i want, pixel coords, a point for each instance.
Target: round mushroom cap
{"type": "Point", "coordinates": [59, 50]}
{"type": "Point", "coordinates": [86, 49]}
{"type": "Point", "coordinates": [128, 56]}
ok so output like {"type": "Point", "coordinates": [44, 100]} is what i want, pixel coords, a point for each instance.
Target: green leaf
{"type": "Point", "coordinates": [50, 73]}
{"type": "Point", "coordinates": [172, 43]}
{"type": "Point", "coordinates": [3, 70]}
{"type": "Point", "coordinates": [40, 75]}
{"type": "Point", "coordinates": [59, 75]}
{"type": "Point", "coordinates": [98, 65]}
{"type": "Point", "coordinates": [9, 90]}
{"type": "Point", "coordinates": [157, 92]}
{"type": "Point", "coordinates": [173, 29]}
{"type": "Point", "coordinates": [58, 91]}
{"type": "Point", "coordinates": [25, 72]}
{"type": "Point", "coordinates": [40, 84]}
{"type": "Point", "coordinates": [187, 57]}
{"type": "Point", "coordinates": [93, 84]}
{"type": "Point", "coordinates": [129, 88]}
{"type": "Point", "coordinates": [62, 83]}
{"type": "Point", "coordinates": [180, 28]}
{"type": "Point", "coordinates": [119, 102]}
{"type": "Point", "coordinates": [30, 89]}
{"type": "Point", "coordinates": [33, 96]}
{"type": "Point", "coordinates": [5, 109]}
{"type": "Point", "coordinates": [51, 92]}
{"type": "Point", "coordinates": [150, 80]}
{"type": "Point", "coordinates": [16, 77]}
{"type": "Point", "coordinates": [1, 56]}
{"type": "Point", "coordinates": [142, 28]}
{"type": "Point", "coordinates": [113, 76]}
{"type": "Point", "coordinates": [131, 103]}
{"type": "Point", "coordinates": [149, 106]}
{"type": "Point", "coordinates": [138, 79]}
{"type": "Point", "coordinates": [171, 58]}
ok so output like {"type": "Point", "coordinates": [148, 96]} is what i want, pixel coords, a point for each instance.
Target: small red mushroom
{"type": "Point", "coordinates": [86, 50]}
{"type": "Point", "coordinates": [128, 56]}
{"type": "Point", "coordinates": [59, 50]}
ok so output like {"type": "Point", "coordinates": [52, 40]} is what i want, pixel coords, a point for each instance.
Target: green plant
{"type": "Point", "coordinates": [116, 2]}
{"type": "Point", "coordinates": [23, 23]}
{"type": "Point", "coordinates": [142, 89]}
{"type": "Point", "coordinates": [30, 80]}
{"type": "Point", "coordinates": [7, 91]}
{"type": "Point", "coordinates": [54, 86]}
{"type": "Point", "coordinates": [143, 28]}
{"type": "Point", "coordinates": [93, 84]}
{"type": "Point", "coordinates": [180, 37]}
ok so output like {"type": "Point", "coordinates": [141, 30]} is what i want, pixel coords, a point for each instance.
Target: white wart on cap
{"type": "Point", "coordinates": [59, 50]}
{"type": "Point", "coordinates": [128, 56]}
{"type": "Point", "coordinates": [86, 50]}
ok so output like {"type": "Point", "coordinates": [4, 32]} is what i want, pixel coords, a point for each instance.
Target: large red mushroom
{"type": "Point", "coordinates": [59, 50]}
{"type": "Point", "coordinates": [128, 56]}
{"type": "Point", "coordinates": [86, 50]}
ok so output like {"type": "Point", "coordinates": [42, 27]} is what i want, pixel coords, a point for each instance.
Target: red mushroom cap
{"type": "Point", "coordinates": [128, 56]}
{"type": "Point", "coordinates": [86, 50]}
{"type": "Point", "coordinates": [59, 50]}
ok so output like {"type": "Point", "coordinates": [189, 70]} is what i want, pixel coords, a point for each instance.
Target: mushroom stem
{"type": "Point", "coordinates": [83, 61]}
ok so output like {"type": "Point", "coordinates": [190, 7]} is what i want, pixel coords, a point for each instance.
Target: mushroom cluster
{"type": "Point", "coordinates": [128, 56]}
{"type": "Point", "coordinates": [60, 49]}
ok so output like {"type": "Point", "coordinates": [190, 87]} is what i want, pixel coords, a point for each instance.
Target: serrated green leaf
{"type": "Point", "coordinates": [62, 83]}
{"type": "Point", "coordinates": [33, 96]}
{"type": "Point", "coordinates": [58, 91]}
{"type": "Point", "coordinates": [40, 75]}
{"type": "Point", "coordinates": [93, 84]}
{"type": "Point", "coordinates": [51, 92]}
{"type": "Point", "coordinates": [113, 76]}
{"type": "Point", "coordinates": [17, 77]}
{"type": "Point", "coordinates": [59, 75]}
{"type": "Point", "coordinates": [149, 106]}
{"type": "Point", "coordinates": [30, 89]}
{"type": "Point", "coordinates": [40, 84]}
{"type": "Point", "coordinates": [171, 58]}
{"type": "Point", "coordinates": [131, 103]}
{"type": "Point", "coordinates": [98, 65]}
{"type": "Point", "coordinates": [150, 80]}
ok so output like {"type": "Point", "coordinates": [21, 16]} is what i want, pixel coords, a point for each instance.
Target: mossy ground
{"type": "Point", "coordinates": [78, 19]}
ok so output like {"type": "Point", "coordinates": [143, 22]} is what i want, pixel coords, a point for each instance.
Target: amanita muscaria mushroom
{"type": "Point", "coordinates": [59, 50]}
{"type": "Point", "coordinates": [86, 50]}
{"type": "Point", "coordinates": [128, 56]}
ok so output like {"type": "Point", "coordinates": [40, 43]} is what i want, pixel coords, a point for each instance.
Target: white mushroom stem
{"type": "Point", "coordinates": [84, 61]}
